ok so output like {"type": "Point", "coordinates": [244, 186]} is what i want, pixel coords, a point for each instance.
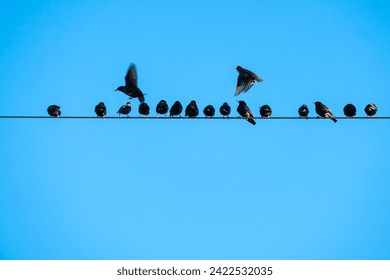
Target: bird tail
{"type": "Point", "coordinates": [141, 98]}
{"type": "Point", "coordinates": [334, 119]}
{"type": "Point", "coordinates": [252, 121]}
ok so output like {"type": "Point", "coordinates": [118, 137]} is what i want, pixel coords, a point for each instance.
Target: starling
{"type": "Point", "coordinates": [225, 110]}
{"type": "Point", "coordinates": [143, 109]}
{"type": "Point", "coordinates": [265, 111]}
{"type": "Point", "coordinates": [246, 79]}
{"type": "Point", "coordinates": [54, 111]}
{"type": "Point", "coordinates": [125, 109]}
{"type": "Point", "coordinates": [371, 110]}
{"type": "Point", "coordinates": [192, 110]}
{"type": "Point", "coordinates": [101, 110]}
{"type": "Point", "coordinates": [303, 111]}
{"type": "Point", "coordinates": [245, 112]}
{"type": "Point", "coordinates": [209, 111]}
{"type": "Point", "coordinates": [324, 111]}
{"type": "Point", "coordinates": [131, 85]}
{"type": "Point", "coordinates": [162, 108]}
{"type": "Point", "coordinates": [176, 109]}
{"type": "Point", "coordinates": [349, 110]}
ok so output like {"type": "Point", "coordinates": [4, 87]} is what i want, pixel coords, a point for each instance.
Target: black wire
{"type": "Point", "coordinates": [186, 118]}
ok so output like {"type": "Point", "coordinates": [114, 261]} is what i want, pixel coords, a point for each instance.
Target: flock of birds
{"type": "Point", "coordinates": [246, 79]}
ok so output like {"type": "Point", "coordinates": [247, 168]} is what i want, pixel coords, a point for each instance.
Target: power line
{"type": "Point", "coordinates": [186, 118]}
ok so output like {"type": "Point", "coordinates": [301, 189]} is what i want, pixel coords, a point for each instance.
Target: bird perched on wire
{"type": "Point", "coordinates": [162, 108]}
{"type": "Point", "coordinates": [54, 111]}
{"type": "Point", "coordinates": [192, 110]}
{"type": "Point", "coordinates": [143, 109]}
{"type": "Point", "coordinates": [225, 110]}
{"type": "Point", "coordinates": [303, 111]}
{"type": "Point", "coordinates": [324, 111]}
{"type": "Point", "coordinates": [349, 110]}
{"type": "Point", "coordinates": [125, 109]}
{"type": "Point", "coordinates": [265, 111]}
{"type": "Point", "coordinates": [245, 112]}
{"type": "Point", "coordinates": [371, 110]}
{"type": "Point", "coordinates": [131, 84]}
{"type": "Point", "coordinates": [246, 79]}
{"type": "Point", "coordinates": [101, 110]}
{"type": "Point", "coordinates": [176, 109]}
{"type": "Point", "coordinates": [209, 111]}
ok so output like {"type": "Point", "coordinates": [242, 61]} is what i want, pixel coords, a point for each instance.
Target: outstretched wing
{"type": "Point", "coordinates": [131, 76]}
{"type": "Point", "coordinates": [243, 84]}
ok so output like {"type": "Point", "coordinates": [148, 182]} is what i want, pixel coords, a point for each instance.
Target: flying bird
{"type": "Point", "coordinates": [125, 109]}
{"type": "Point", "coordinates": [192, 110]}
{"type": "Point", "coordinates": [225, 110]}
{"type": "Point", "coordinates": [245, 112]}
{"type": "Point", "coordinates": [324, 111]}
{"type": "Point", "coordinates": [349, 110]}
{"type": "Point", "coordinates": [162, 108]}
{"type": "Point", "coordinates": [246, 79]}
{"type": "Point", "coordinates": [176, 109]}
{"type": "Point", "coordinates": [303, 111]}
{"type": "Point", "coordinates": [101, 110]}
{"type": "Point", "coordinates": [371, 110]}
{"type": "Point", "coordinates": [143, 109]}
{"type": "Point", "coordinates": [209, 111]}
{"type": "Point", "coordinates": [54, 111]}
{"type": "Point", "coordinates": [131, 84]}
{"type": "Point", "coordinates": [265, 111]}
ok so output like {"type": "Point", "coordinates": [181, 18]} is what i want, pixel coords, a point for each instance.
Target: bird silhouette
{"type": "Point", "coordinates": [143, 109]}
{"type": "Point", "coordinates": [265, 111]}
{"type": "Point", "coordinates": [162, 108]}
{"type": "Point", "coordinates": [101, 110]}
{"type": "Point", "coordinates": [125, 109]}
{"type": "Point", "coordinates": [245, 112]}
{"type": "Point", "coordinates": [176, 109]}
{"type": "Point", "coordinates": [303, 111]}
{"type": "Point", "coordinates": [371, 110]}
{"type": "Point", "coordinates": [246, 79]}
{"type": "Point", "coordinates": [324, 111]}
{"type": "Point", "coordinates": [349, 110]}
{"type": "Point", "coordinates": [209, 111]}
{"type": "Point", "coordinates": [131, 84]}
{"type": "Point", "coordinates": [225, 110]}
{"type": "Point", "coordinates": [54, 111]}
{"type": "Point", "coordinates": [192, 110]}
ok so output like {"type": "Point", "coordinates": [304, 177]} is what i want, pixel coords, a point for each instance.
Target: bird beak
{"type": "Point", "coordinates": [235, 67]}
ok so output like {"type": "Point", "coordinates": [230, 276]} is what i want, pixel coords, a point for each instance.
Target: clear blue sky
{"type": "Point", "coordinates": [194, 189]}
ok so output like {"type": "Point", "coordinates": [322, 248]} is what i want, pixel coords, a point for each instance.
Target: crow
{"type": "Point", "coordinates": [101, 110]}
{"type": "Point", "coordinates": [246, 79]}
{"type": "Point", "coordinates": [245, 112]}
{"type": "Point", "coordinates": [192, 110]}
{"type": "Point", "coordinates": [131, 85]}
{"type": "Point", "coordinates": [225, 110]}
{"type": "Point", "coordinates": [54, 111]}
{"type": "Point", "coordinates": [324, 111]}
{"type": "Point", "coordinates": [125, 109]}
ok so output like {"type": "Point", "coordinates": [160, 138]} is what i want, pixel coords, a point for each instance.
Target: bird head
{"type": "Point", "coordinates": [121, 88]}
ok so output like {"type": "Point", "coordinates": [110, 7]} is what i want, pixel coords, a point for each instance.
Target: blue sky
{"type": "Point", "coordinates": [194, 189]}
